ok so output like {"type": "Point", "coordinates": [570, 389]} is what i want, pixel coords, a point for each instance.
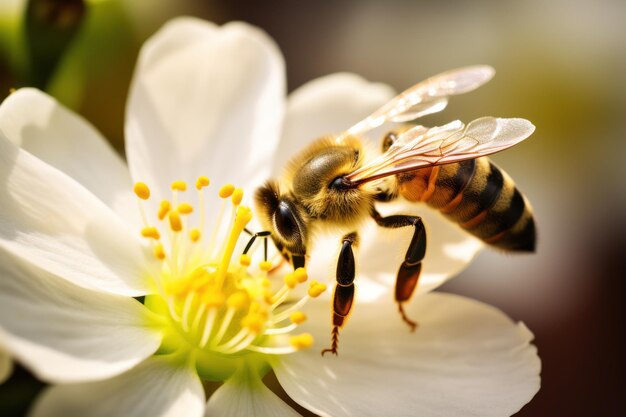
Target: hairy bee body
{"type": "Point", "coordinates": [477, 195]}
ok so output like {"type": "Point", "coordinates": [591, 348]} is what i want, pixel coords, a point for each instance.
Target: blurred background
{"type": "Point", "coordinates": [560, 64]}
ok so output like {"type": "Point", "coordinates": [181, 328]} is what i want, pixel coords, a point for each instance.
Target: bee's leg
{"type": "Point", "coordinates": [344, 289]}
{"type": "Point", "coordinates": [409, 271]}
{"type": "Point", "coordinates": [264, 234]}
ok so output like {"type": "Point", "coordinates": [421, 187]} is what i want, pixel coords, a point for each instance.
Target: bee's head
{"type": "Point", "coordinates": [284, 217]}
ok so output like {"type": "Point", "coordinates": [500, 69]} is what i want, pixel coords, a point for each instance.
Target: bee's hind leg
{"type": "Point", "coordinates": [343, 296]}
{"type": "Point", "coordinates": [409, 272]}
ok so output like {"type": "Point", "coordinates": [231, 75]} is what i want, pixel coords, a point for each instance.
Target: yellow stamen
{"type": "Point", "coordinates": [265, 266]}
{"type": "Point", "coordinates": [213, 299]}
{"type": "Point", "coordinates": [151, 232]}
{"type": "Point", "coordinates": [237, 196]}
{"type": "Point", "coordinates": [202, 182]}
{"type": "Point", "coordinates": [179, 186]}
{"type": "Point", "coordinates": [194, 235]}
{"type": "Point", "coordinates": [301, 341]}
{"type": "Point", "coordinates": [301, 275]}
{"type": "Point", "coordinates": [184, 208]}
{"type": "Point", "coordinates": [245, 259]}
{"type": "Point", "coordinates": [175, 222]}
{"type": "Point", "coordinates": [290, 281]}
{"type": "Point", "coordinates": [297, 317]}
{"type": "Point", "coordinates": [316, 289]}
{"type": "Point", "coordinates": [237, 300]}
{"type": "Point", "coordinates": [141, 190]}
{"type": "Point", "coordinates": [164, 208]}
{"type": "Point", "coordinates": [159, 252]}
{"type": "Point", "coordinates": [253, 322]}
{"type": "Point", "coordinates": [226, 190]}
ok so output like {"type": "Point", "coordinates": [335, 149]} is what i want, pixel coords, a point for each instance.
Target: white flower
{"type": "Point", "coordinates": [210, 101]}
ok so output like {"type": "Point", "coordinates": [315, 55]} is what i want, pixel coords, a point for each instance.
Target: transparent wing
{"type": "Point", "coordinates": [429, 96]}
{"type": "Point", "coordinates": [421, 147]}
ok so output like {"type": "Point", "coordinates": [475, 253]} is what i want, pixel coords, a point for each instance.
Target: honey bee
{"type": "Point", "coordinates": [332, 183]}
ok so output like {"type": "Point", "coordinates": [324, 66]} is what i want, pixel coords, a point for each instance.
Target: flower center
{"type": "Point", "coordinates": [218, 308]}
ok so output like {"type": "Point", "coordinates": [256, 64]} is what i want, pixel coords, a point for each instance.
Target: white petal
{"type": "Point", "coordinates": [52, 221]}
{"type": "Point", "coordinates": [64, 333]}
{"type": "Point", "coordinates": [244, 394]}
{"type": "Point", "coordinates": [325, 106]}
{"type": "Point", "coordinates": [6, 366]}
{"type": "Point", "coordinates": [205, 100]}
{"type": "Point", "coordinates": [155, 388]}
{"type": "Point", "coordinates": [39, 124]}
{"type": "Point", "coordinates": [465, 359]}
{"type": "Point", "coordinates": [449, 248]}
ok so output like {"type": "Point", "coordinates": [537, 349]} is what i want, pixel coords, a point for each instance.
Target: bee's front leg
{"type": "Point", "coordinates": [343, 296]}
{"type": "Point", "coordinates": [409, 272]}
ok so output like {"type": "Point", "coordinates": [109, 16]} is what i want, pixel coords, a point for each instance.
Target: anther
{"type": "Point", "coordinates": [301, 275]}
{"type": "Point", "coordinates": [151, 232]}
{"type": "Point", "coordinates": [301, 341]}
{"type": "Point", "coordinates": [179, 185]}
{"type": "Point", "coordinates": [184, 208]}
{"type": "Point", "coordinates": [202, 182]}
{"type": "Point", "coordinates": [141, 190]}
{"type": "Point", "coordinates": [265, 266]}
{"type": "Point", "coordinates": [253, 322]}
{"type": "Point", "coordinates": [237, 300]}
{"type": "Point", "coordinates": [226, 191]}
{"type": "Point", "coordinates": [245, 259]}
{"type": "Point", "coordinates": [237, 196]}
{"type": "Point", "coordinates": [164, 208]}
{"type": "Point", "coordinates": [291, 281]}
{"type": "Point", "coordinates": [194, 235]}
{"type": "Point", "coordinates": [159, 252]}
{"type": "Point", "coordinates": [297, 317]}
{"type": "Point", "coordinates": [213, 299]}
{"type": "Point", "coordinates": [316, 289]}
{"type": "Point", "coordinates": [175, 222]}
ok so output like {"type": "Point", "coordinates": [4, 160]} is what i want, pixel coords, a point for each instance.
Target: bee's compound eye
{"type": "Point", "coordinates": [286, 223]}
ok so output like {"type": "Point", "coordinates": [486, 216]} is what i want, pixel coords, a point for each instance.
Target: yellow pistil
{"type": "Point", "coordinates": [179, 186]}
{"type": "Point", "coordinates": [141, 190]}
{"type": "Point", "coordinates": [243, 216]}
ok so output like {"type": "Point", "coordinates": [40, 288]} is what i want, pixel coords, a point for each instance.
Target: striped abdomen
{"type": "Point", "coordinates": [480, 197]}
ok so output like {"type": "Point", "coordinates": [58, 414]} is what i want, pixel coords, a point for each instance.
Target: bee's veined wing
{"type": "Point", "coordinates": [420, 147]}
{"type": "Point", "coordinates": [429, 96]}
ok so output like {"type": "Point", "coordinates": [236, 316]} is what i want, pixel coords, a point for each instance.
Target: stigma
{"type": "Point", "coordinates": [213, 296]}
